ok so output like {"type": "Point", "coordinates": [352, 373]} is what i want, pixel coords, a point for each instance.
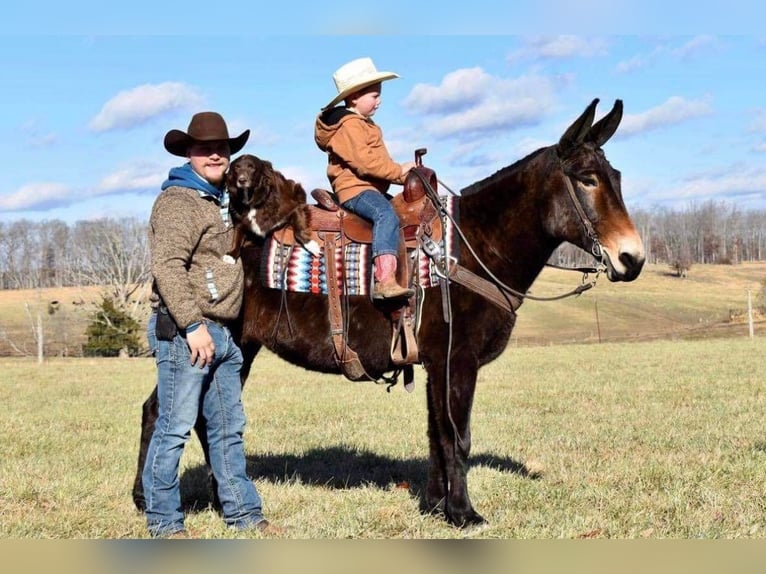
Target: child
{"type": "Point", "coordinates": [359, 167]}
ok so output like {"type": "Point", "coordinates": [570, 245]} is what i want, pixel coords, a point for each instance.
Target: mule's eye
{"type": "Point", "coordinates": [589, 179]}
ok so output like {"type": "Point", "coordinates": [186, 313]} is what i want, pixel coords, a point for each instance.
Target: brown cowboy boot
{"type": "Point", "coordinates": [390, 289]}
{"type": "Point", "coordinates": [386, 286]}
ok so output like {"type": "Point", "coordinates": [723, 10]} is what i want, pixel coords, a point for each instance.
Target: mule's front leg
{"type": "Point", "coordinates": [450, 403]}
{"type": "Point", "coordinates": [437, 485]}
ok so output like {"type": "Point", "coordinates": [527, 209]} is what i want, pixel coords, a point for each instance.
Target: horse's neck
{"type": "Point", "coordinates": [502, 224]}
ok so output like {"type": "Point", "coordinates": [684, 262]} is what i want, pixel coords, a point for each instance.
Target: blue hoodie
{"type": "Point", "coordinates": [185, 176]}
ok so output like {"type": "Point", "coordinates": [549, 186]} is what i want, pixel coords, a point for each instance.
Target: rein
{"type": "Point", "coordinates": [495, 290]}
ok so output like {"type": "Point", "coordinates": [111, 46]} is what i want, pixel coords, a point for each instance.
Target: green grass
{"type": "Point", "coordinates": [659, 439]}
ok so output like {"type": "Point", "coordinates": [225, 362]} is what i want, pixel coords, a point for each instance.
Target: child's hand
{"type": "Point", "coordinates": [407, 166]}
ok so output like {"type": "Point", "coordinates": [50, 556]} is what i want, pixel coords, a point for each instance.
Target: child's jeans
{"type": "Point", "coordinates": [376, 208]}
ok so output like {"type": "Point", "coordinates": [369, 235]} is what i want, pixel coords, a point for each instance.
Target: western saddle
{"type": "Point", "coordinates": [332, 226]}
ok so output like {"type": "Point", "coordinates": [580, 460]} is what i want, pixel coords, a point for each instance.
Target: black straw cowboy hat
{"type": "Point", "coordinates": [203, 127]}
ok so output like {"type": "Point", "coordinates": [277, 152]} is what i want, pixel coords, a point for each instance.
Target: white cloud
{"type": "Point", "coordinates": [688, 50]}
{"type": "Point", "coordinates": [632, 64]}
{"type": "Point", "coordinates": [694, 46]}
{"type": "Point", "coordinates": [37, 196]}
{"type": "Point", "coordinates": [732, 182]}
{"type": "Point", "coordinates": [140, 176]}
{"type": "Point", "coordinates": [458, 90]}
{"type": "Point", "coordinates": [641, 60]}
{"type": "Point", "coordinates": [559, 47]}
{"type": "Point", "coordinates": [673, 111]}
{"type": "Point", "coordinates": [140, 104]}
{"type": "Point", "coordinates": [492, 115]}
{"type": "Point", "coordinates": [471, 102]}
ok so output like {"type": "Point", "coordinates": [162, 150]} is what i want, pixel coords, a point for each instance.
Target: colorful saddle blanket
{"type": "Point", "coordinates": [293, 268]}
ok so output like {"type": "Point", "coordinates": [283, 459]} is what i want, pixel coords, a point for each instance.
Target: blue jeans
{"type": "Point", "coordinates": [376, 208]}
{"type": "Point", "coordinates": [184, 391]}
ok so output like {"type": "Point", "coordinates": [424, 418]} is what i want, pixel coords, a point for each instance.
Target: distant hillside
{"type": "Point", "coordinates": [656, 305]}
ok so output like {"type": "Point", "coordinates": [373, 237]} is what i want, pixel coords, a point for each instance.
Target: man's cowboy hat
{"type": "Point", "coordinates": [203, 127]}
{"type": "Point", "coordinates": [354, 76]}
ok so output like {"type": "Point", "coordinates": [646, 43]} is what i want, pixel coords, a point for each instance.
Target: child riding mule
{"type": "Point", "coordinates": [507, 227]}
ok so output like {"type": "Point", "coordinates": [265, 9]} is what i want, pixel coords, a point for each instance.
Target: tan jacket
{"type": "Point", "coordinates": [188, 239]}
{"type": "Point", "coordinates": [357, 157]}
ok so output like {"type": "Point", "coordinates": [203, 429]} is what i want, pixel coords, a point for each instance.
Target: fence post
{"type": "Point", "coordinates": [40, 341]}
{"type": "Point", "coordinates": [598, 321]}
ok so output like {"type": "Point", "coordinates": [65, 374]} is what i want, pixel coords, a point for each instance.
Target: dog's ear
{"type": "Point", "coordinates": [298, 192]}
{"type": "Point", "coordinates": [229, 179]}
{"type": "Point", "coordinates": [268, 179]}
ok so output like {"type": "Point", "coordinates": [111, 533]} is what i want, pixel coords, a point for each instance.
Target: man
{"type": "Point", "coordinates": [198, 362]}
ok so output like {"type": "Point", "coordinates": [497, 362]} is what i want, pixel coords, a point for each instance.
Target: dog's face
{"type": "Point", "coordinates": [261, 199]}
{"type": "Point", "coordinates": [249, 181]}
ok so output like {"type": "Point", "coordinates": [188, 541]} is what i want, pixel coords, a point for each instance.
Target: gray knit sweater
{"type": "Point", "coordinates": [188, 239]}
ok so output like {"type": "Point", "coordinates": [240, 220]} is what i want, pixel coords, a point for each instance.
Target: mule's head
{"type": "Point", "coordinates": [595, 217]}
{"type": "Point", "coordinates": [249, 182]}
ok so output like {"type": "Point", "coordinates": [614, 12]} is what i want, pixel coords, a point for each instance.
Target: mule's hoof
{"type": "Point", "coordinates": [474, 529]}
{"type": "Point", "coordinates": [228, 259]}
{"type": "Point", "coordinates": [467, 521]}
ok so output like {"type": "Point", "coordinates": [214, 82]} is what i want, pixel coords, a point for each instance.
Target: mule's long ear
{"type": "Point", "coordinates": [603, 129]}
{"type": "Point", "coordinates": [578, 130]}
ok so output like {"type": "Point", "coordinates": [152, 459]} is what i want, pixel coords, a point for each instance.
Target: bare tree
{"type": "Point", "coordinates": [114, 254]}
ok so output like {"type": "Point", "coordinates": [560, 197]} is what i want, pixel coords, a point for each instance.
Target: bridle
{"type": "Point", "coordinates": [445, 268]}
{"type": "Point", "coordinates": [596, 249]}
{"type": "Point", "coordinates": [495, 291]}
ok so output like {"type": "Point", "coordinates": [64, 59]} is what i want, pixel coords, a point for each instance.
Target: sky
{"type": "Point", "coordinates": [86, 113]}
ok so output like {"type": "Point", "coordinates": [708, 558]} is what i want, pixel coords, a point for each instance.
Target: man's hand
{"type": "Point", "coordinates": [201, 346]}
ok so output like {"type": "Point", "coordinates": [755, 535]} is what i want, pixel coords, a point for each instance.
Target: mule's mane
{"type": "Point", "coordinates": [501, 174]}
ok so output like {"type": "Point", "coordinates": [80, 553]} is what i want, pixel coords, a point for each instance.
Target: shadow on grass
{"type": "Point", "coordinates": [339, 468]}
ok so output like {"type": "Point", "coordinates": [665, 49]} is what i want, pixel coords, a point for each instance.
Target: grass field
{"type": "Point", "coordinates": [655, 433]}
{"type": "Point", "coordinates": [656, 305]}
{"type": "Point", "coordinates": [659, 439]}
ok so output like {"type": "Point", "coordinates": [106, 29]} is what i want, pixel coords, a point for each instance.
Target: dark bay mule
{"type": "Point", "coordinates": [512, 221]}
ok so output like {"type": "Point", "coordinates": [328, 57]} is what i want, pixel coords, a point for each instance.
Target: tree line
{"type": "Point", "coordinates": [52, 253]}
{"type": "Point", "coordinates": [111, 254]}
{"type": "Point", "coordinates": [115, 252]}
{"type": "Point", "coordinates": [716, 232]}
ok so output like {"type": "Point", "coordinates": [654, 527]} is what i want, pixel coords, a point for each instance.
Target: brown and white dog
{"type": "Point", "coordinates": [262, 200]}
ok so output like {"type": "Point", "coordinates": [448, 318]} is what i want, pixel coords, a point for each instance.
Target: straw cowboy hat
{"type": "Point", "coordinates": [354, 76]}
{"type": "Point", "coordinates": [203, 127]}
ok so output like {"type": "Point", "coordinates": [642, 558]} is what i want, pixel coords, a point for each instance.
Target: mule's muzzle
{"type": "Point", "coordinates": [627, 268]}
